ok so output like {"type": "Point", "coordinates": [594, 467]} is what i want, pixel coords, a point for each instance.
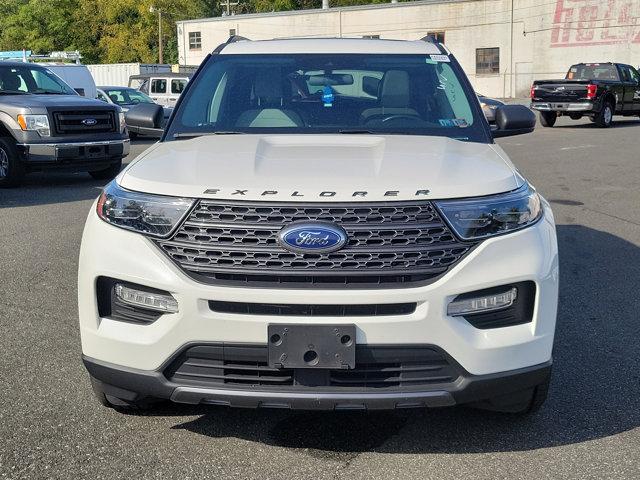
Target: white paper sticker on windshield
{"type": "Point", "coordinates": [440, 58]}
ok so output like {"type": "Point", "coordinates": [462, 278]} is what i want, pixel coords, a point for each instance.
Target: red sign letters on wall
{"type": "Point", "coordinates": [578, 23]}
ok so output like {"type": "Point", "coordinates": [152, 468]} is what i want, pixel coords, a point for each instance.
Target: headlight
{"type": "Point", "coordinates": [122, 120]}
{"type": "Point", "coordinates": [153, 215]}
{"type": "Point", "coordinates": [37, 123]}
{"type": "Point", "coordinates": [493, 215]}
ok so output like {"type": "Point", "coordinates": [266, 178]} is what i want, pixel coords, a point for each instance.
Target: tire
{"type": "Point", "coordinates": [133, 135]}
{"type": "Point", "coordinates": [523, 402]}
{"type": "Point", "coordinates": [548, 119]}
{"type": "Point", "coordinates": [109, 172]}
{"type": "Point", "coordinates": [116, 403]}
{"type": "Point", "coordinates": [575, 116]}
{"type": "Point", "coordinates": [11, 167]}
{"type": "Point", "coordinates": [604, 117]}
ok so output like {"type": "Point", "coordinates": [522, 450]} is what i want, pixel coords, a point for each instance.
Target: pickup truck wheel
{"type": "Point", "coordinates": [548, 119]}
{"type": "Point", "coordinates": [604, 117]}
{"type": "Point", "coordinates": [11, 168]}
{"type": "Point", "coordinates": [109, 172]}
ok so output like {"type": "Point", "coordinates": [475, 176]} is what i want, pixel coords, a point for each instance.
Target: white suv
{"type": "Point", "coordinates": [325, 224]}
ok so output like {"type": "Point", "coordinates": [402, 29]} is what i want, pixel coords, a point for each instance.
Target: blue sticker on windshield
{"type": "Point", "coordinates": [446, 122]}
{"type": "Point", "coordinates": [327, 96]}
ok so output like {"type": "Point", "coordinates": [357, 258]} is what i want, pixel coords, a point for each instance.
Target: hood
{"type": "Point", "coordinates": [44, 101]}
{"type": "Point", "coordinates": [321, 168]}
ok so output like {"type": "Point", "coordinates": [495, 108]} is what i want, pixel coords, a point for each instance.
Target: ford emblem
{"type": "Point", "coordinates": [313, 237]}
{"type": "Point", "coordinates": [89, 122]}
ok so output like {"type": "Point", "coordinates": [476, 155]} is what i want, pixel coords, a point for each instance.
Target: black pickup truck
{"type": "Point", "coordinates": [596, 90]}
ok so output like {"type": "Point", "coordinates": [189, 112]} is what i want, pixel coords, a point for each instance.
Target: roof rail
{"type": "Point", "coordinates": [232, 39]}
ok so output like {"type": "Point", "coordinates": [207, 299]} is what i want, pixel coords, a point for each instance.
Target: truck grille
{"type": "Point", "coordinates": [389, 244]}
{"type": "Point", "coordinates": [70, 122]}
{"type": "Point", "coordinates": [407, 366]}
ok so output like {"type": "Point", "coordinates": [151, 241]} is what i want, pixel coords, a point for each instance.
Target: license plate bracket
{"type": "Point", "coordinates": [312, 346]}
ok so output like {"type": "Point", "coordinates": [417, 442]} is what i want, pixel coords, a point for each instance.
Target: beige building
{"type": "Point", "coordinates": [502, 44]}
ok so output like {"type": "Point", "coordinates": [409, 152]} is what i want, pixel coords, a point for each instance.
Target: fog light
{"type": "Point", "coordinates": [148, 300]}
{"type": "Point", "coordinates": [483, 303]}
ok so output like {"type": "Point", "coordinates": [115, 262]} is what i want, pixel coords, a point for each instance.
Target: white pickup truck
{"type": "Point", "coordinates": [324, 224]}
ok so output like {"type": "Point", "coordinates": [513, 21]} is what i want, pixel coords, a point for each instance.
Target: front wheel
{"type": "Point", "coordinates": [11, 167]}
{"type": "Point", "coordinates": [548, 119]}
{"type": "Point", "coordinates": [604, 117]}
{"type": "Point", "coordinates": [109, 172]}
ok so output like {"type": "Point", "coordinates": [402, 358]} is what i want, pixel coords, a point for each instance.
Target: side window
{"type": "Point", "coordinates": [177, 85]}
{"type": "Point", "coordinates": [633, 73]}
{"type": "Point", "coordinates": [158, 85]}
{"type": "Point", "coordinates": [625, 73]}
{"type": "Point", "coordinates": [45, 83]}
{"type": "Point", "coordinates": [101, 96]}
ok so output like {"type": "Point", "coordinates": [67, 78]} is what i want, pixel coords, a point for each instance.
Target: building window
{"type": "Point", "coordinates": [372, 37]}
{"type": "Point", "coordinates": [437, 36]}
{"type": "Point", "coordinates": [232, 32]}
{"type": "Point", "coordinates": [195, 41]}
{"type": "Point", "coordinates": [487, 61]}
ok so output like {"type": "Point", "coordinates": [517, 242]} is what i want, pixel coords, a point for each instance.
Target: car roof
{"type": "Point", "coordinates": [7, 63]}
{"type": "Point", "coordinates": [331, 46]}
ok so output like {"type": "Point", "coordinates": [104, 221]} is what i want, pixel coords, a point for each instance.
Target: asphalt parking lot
{"type": "Point", "coordinates": [51, 426]}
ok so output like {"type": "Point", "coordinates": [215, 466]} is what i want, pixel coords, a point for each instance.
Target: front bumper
{"type": "Point", "coordinates": [562, 106]}
{"type": "Point", "coordinates": [133, 384]}
{"type": "Point", "coordinates": [69, 153]}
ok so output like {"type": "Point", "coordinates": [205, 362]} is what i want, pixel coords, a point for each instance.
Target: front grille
{"type": "Point", "coordinates": [306, 310]}
{"type": "Point", "coordinates": [70, 122]}
{"type": "Point", "coordinates": [379, 367]}
{"type": "Point", "coordinates": [389, 244]}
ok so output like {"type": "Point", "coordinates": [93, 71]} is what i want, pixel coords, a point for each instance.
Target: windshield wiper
{"type": "Point", "coordinates": [357, 130]}
{"type": "Point", "coordinates": [49, 92]}
{"type": "Point", "coordinates": [202, 134]}
{"type": "Point", "coordinates": [12, 92]}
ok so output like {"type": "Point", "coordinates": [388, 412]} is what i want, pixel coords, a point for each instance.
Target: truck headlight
{"type": "Point", "coordinates": [153, 215]}
{"type": "Point", "coordinates": [36, 123]}
{"type": "Point", "coordinates": [492, 215]}
{"type": "Point", "coordinates": [123, 123]}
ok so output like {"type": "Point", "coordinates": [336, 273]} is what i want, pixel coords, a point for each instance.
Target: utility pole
{"type": "Point", "coordinates": [227, 4]}
{"type": "Point", "coordinates": [152, 9]}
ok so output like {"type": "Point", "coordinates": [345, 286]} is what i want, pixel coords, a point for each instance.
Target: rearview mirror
{"type": "Point", "coordinates": [513, 120]}
{"type": "Point", "coordinates": [145, 119]}
{"type": "Point", "coordinates": [332, 79]}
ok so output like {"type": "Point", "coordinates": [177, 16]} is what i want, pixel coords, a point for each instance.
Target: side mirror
{"type": "Point", "coordinates": [513, 120]}
{"type": "Point", "coordinates": [80, 91]}
{"type": "Point", "coordinates": [145, 119]}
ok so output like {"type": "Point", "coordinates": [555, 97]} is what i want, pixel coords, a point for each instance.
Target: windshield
{"type": "Point", "coordinates": [316, 93]}
{"type": "Point", "coordinates": [31, 79]}
{"type": "Point", "coordinates": [127, 96]}
{"type": "Point", "coordinates": [593, 71]}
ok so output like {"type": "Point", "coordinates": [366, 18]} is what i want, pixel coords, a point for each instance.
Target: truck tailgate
{"type": "Point", "coordinates": [560, 91]}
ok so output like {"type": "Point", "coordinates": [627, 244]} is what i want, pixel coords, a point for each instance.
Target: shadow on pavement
{"type": "Point", "coordinates": [595, 389]}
